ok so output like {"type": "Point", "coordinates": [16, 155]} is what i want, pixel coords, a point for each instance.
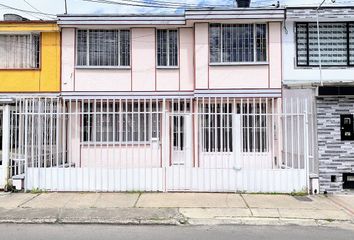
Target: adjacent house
{"type": "Point", "coordinates": [29, 66]}
{"type": "Point", "coordinates": [318, 65]}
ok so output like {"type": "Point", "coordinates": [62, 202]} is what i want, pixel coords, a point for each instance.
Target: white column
{"type": "Point", "coordinates": [6, 143]}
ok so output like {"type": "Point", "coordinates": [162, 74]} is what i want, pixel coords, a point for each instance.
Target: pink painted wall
{"type": "Point", "coordinates": [167, 79]}
{"type": "Point", "coordinates": [250, 76]}
{"type": "Point", "coordinates": [201, 55]}
{"type": "Point", "coordinates": [186, 64]}
{"type": "Point", "coordinates": [68, 59]}
{"type": "Point", "coordinates": [233, 76]}
{"type": "Point", "coordinates": [193, 72]}
{"type": "Point", "coordinates": [143, 59]}
{"type": "Point", "coordinates": [275, 55]}
{"type": "Point", "coordinates": [103, 80]}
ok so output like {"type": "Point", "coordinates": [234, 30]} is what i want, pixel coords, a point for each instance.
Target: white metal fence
{"type": "Point", "coordinates": [214, 144]}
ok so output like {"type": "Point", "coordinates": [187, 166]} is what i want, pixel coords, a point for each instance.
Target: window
{"type": "Point", "coordinates": [103, 48]}
{"type": "Point", "coordinates": [19, 51]}
{"type": "Point", "coordinates": [238, 43]}
{"type": "Point", "coordinates": [179, 122]}
{"type": "Point", "coordinates": [167, 48]}
{"type": "Point", "coordinates": [337, 44]}
{"type": "Point", "coordinates": [254, 128]}
{"type": "Point", "coordinates": [217, 127]}
{"type": "Point", "coordinates": [121, 122]}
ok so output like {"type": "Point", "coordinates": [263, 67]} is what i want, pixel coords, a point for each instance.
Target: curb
{"type": "Point", "coordinates": [188, 222]}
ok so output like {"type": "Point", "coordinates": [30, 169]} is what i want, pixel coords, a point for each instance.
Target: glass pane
{"type": "Point", "coordinates": [261, 40]}
{"type": "Point", "coordinates": [215, 43]}
{"type": "Point", "coordinates": [81, 47]}
{"type": "Point", "coordinates": [301, 33]}
{"type": "Point", "coordinates": [237, 43]}
{"type": "Point", "coordinates": [351, 44]}
{"type": "Point", "coordinates": [103, 50]}
{"type": "Point", "coordinates": [19, 51]}
{"type": "Point", "coordinates": [162, 47]}
{"type": "Point", "coordinates": [124, 48]}
{"type": "Point", "coordinates": [173, 47]}
{"type": "Point", "coordinates": [333, 38]}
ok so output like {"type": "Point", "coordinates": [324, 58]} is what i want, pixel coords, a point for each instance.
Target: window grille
{"type": "Point", "coordinates": [167, 48]}
{"type": "Point", "coordinates": [19, 51]}
{"type": "Point", "coordinates": [351, 44]}
{"type": "Point", "coordinates": [254, 127]}
{"type": "Point", "coordinates": [103, 48]}
{"type": "Point", "coordinates": [237, 43]}
{"type": "Point", "coordinates": [121, 122]}
{"type": "Point", "coordinates": [217, 127]}
{"type": "Point", "coordinates": [336, 39]}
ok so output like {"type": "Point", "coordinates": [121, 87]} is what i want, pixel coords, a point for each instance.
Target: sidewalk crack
{"type": "Point", "coordinates": [341, 206]}
{"type": "Point", "coordinates": [28, 200]}
{"type": "Point", "coordinates": [137, 200]}
{"type": "Point", "coordinates": [244, 200]}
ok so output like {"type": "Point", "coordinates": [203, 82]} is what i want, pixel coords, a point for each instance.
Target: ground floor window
{"type": "Point", "coordinates": [254, 128]}
{"type": "Point", "coordinates": [121, 121]}
{"type": "Point", "coordinates": [218, 127]}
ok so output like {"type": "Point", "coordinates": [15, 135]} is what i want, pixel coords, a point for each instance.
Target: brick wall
{"type": "Point", "coordinates": [335, 156]}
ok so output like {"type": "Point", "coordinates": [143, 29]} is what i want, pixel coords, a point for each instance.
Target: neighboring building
{"type": "Point", "coordinates": [29, 66]}
{"type": "Point", "coordinates": [330, 92]}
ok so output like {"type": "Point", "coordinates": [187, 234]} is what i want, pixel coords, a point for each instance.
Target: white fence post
{"type": "Point", "coordinates": [306, 150]}
{"type": "Point", "coordinates": [6, 142]}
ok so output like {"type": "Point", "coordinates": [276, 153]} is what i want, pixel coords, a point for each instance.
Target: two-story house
{"type": "Point", "coordinates": [29, 66]}
{"type": "Point", "coordinates": [188, 102]}
{"type": "Point", "coordinates": [318, 62]}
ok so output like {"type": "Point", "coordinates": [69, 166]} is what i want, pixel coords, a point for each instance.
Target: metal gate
{"type": "Point", "coordinates": [214, 144]}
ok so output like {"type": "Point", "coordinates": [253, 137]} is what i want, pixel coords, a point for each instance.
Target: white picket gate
{"type": "Point", "coordinates": [209, 144]}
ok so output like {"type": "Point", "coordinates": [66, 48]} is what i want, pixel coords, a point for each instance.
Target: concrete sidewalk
{"type": "Point", "coordinates": [176, 208]}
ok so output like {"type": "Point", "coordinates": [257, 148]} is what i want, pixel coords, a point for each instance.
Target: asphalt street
{"type": "Point", "coordinates": [105, 232]}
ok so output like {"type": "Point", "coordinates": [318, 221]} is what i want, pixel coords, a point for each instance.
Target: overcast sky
{"type": "Point", "coordinates": [82, 6]}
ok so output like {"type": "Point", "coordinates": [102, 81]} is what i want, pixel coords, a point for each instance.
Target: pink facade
{"type": "Point", "coordinates": [193, 72]}
{"type": "Point", "coordinates": [194, 77]}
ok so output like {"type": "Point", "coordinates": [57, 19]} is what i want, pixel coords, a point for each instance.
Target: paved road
{"type": "Point", "coordinates": [105, 232]}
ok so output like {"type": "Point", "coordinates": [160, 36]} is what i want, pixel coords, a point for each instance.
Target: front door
{"type": "Point", "coordinates": [179, 169]}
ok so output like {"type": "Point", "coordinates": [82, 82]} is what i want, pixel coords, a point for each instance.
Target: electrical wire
{"type": "Point", "coordinates": [34, 8]}
{"type": "Point", "coordinates": [27, 11]}
{"type": "Point", "coordinates": [155, 4]}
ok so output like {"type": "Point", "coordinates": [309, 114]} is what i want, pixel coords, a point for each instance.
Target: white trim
{"type": "Point", "coordinates": [104, 67]}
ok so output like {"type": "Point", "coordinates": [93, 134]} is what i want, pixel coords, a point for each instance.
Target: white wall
{"type": "Point", "coordinates": [292, 74]}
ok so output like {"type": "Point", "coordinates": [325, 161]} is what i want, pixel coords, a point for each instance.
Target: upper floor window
{"type": "Point", "coordinates": [19, 51]}
{"type": "Point", "coordinates": [103, 48]}
{"type": "Point", "coordinates": [336, 41]}
{"type": "Point", "coordinates": [167, 48]}
{"type": "Point", "coordinates": [238, 43]}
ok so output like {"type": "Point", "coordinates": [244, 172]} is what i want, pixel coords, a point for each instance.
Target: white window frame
{"type": "Point", "coordinates": [168, 50]}
{"type": "Point", "coordinates": [31, 34]}
{"type": "Point", "coordinates": [254, 62]}
{"type": "Point", "coordinates": [349, 41]}
{"type": "Point", "coordinates": [87, 66]}
{"type": "Point", "coordinates": [121, 118]}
